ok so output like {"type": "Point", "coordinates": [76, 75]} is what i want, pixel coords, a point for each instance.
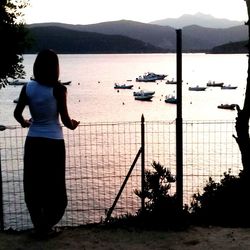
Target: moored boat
{"type": "Point", "coordinates": [171, 81]}
{"type": "Point", "coordinates": [65, 83]}
{"type": "Point", "coordinates": [158, 76]}
{"type": "Point", "coordinates": [229, 86]}
{"type": "Point", "coordinates": [214, 84]}
{"type": "Point", "coordinates": [144, 97]}
{"type": "Point", "coordinates": [227, 106]}
{"type": "Point", "coordinates": [197, 88]}
{"type": "Point", "coordinates": [150, 77]}
{"type": "Point", "coordinates": [18, 82]}
{"type": "Point", "coordinates": [123, 86]}
{"type": "Point", "coordinates": [170, 99]}
{"type": "Point", "coordinates": [143, 92]}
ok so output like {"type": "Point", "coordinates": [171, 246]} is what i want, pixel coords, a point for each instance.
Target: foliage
{"type": "Point", "coordinates": [66, 40]}
{"type": "Point", "coordinates": [14, 39]}
{"type": "Point", "coordinates": [161, 208]}
{"type": "Point", "coordinates": [157, 187]}
{"type": "Point", "coordinates": [226, 203]}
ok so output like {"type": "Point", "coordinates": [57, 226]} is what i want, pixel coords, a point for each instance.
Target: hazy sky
{"type": "Point", "coordinates": [95, 11]}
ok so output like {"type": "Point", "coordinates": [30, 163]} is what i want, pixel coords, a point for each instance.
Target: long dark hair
{"type": "Point", "coordinates": [46, 67]}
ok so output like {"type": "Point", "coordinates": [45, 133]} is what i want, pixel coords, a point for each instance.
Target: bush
{"type": "Point", "coordinates": [161, 208]}
{"type": "Point", "coordinates": [225, 203]}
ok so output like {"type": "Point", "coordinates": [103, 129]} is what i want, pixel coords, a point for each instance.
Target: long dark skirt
{"type": "Point", "coordinates": [44, 181]}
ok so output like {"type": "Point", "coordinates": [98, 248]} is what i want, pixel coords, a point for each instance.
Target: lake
{"type": "Point", "coordinates": [92, 97]}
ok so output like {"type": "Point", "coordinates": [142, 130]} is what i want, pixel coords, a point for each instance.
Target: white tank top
{"type": "Point", "coordinates": [44, 111]}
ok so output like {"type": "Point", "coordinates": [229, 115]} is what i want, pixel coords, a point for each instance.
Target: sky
{"type": "Point", "coordinates": [96, 11]}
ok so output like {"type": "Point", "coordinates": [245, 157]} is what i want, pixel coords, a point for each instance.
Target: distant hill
{"type": "Point", "coordinates": [207, 38]}
{"type": "Point", "coordinates": [195, 38]}
{"type": "Point", "coordinates": [156, 35]}
{"type": "Point", "coordinates": [197, 19]}
{"type": "Point", "coordinates": [230, 48]}
{"type": "Point", "coordinates": [71, 41]}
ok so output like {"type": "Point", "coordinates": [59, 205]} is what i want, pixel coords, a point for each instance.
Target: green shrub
{"type": "Point", "coordinates": [225, 203]}
{"type": "Point", "coordinates": [161, 208]}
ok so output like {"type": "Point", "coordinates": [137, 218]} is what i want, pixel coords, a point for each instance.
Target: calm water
{"type": "Point", "coordinates": [92, 96]}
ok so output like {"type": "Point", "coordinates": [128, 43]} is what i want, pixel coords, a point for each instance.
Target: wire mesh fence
{"type": "Point", "coordinates": [99, 156]}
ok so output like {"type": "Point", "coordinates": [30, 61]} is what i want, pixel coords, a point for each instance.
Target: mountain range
{"type": "Point", "coordinates": [199, 19]}
{"type": "Point", "coordinates": [66, 40]}
{"type": "Point", "coordinates": [125, 36]}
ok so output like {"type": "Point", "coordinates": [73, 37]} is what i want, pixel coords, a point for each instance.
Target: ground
{"type": "Point", "coordinates": [86, 238]}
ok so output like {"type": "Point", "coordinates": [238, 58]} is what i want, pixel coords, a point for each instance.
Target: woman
{"type": "Point", "coordinates": [44, 151]}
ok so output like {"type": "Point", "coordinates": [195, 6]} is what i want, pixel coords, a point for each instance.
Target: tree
{"type": "Point", "coordinates": [242, 120]}
{"type": "Point", "coordinates": [14, 39]}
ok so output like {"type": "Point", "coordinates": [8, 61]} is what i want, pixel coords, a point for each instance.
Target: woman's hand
{"type": "Point", "coordinates": [74, 124]}
{"type": "Point", "coordinates": [26, 123]}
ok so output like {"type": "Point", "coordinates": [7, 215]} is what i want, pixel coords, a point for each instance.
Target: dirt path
{"type": "Point", "coordinates": [132, 239]}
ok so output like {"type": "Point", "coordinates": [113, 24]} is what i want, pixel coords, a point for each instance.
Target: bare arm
{"type": "Point", "coordinates": [18, 112]}
{"type": "Point", "coordinates": [61, 96]}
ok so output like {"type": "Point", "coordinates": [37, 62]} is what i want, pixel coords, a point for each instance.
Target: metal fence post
{"type": "Point", "coordinates": [1, 197]}
{"type": "Point", "coordinates": [179, 127]}
{"type": "Point", "coordinates": [142, 162]}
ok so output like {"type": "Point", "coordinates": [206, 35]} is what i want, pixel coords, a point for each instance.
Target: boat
{"type": "Point", "coordinates": [171, 81]}
{"type": "Point", "coordinates": [146, 78]}
{"type": "Point", "coordinates": [144, 97]}
{"type": "Point", "coordinates": [170, 99]}
{"type": "Point", "coordinates": [65, 83]}
{"type": "Point", "coordinates": [229, 86]}
{"type": "Point", "coordinates": [123, 86]}
{"type": "Point", "coordinates": [18, 82]}
{"type": "Point", "coordinates": [158, 76]}
{"type": "Point", "coordinates": [227, 106]}
{"type": "Point", "coordinates": [214, 84]}
{"type": "Point", "coordinates": [143, 92]}
{"type": "Point", "coordinates": [197, 88]}
{"type": "Point", "coordinates": [150, 77]}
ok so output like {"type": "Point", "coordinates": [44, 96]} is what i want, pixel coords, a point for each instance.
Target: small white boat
{"type": "Point", "coordinates": [214, 84]}
{"type": "Point", "coordinates": [144, 97]}
{"type": "Point", "coordinates": [197, 88]}
{"type": "Point", "coordinates": [227, 106]}
{"type": "Point", "coordinates": [229, 86]}
{"type": "Point", "coordinates": [143, 92]}
{"type": "Point", "coordinates": [171, 81]}
{"type": "Point", "coordinates": [123, 86]}
{"type": "Point", "coordinates": [65, 83]}
{"type": "Point", "coordinates": [158, 76]}
{"type": "Point", "coordinates": [145, 79]}
{"type": "Point", "coordinates": [170, 99]}
{"type": "Point", "coordinates": [18, 82]}
{"type": "Point", "coordinates": [150, 77]}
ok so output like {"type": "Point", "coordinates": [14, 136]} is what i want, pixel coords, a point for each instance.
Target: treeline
{"type": "Point", "coordinates": [69, 39]}
{"type": "Point", "coordinates": [231, 48]}
{"type": "Point", "coordinates": [74, 42]}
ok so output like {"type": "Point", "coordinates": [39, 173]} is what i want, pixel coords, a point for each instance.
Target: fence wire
{"type": "Point", "coordinates": [99, 155]}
